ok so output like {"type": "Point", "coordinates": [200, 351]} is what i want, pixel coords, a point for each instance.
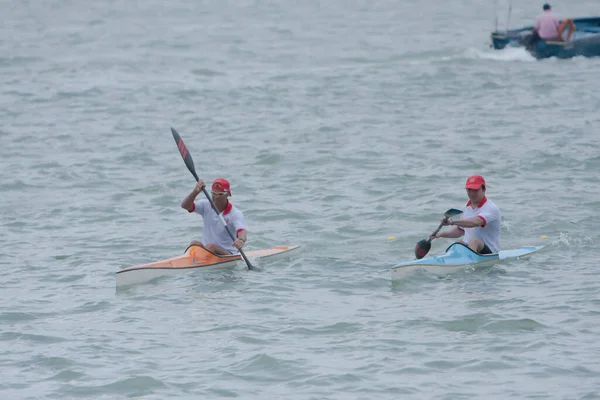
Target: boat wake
{"type": "Point", "coordinates": [510, 54]}
{"type": "Point", "coordinates": [507, 54]}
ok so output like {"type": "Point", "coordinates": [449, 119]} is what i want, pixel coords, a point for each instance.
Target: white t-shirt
{"type": "Point", "coordinates": [489, 232]}
{"type": "Point", "coordinates": [214, 231]}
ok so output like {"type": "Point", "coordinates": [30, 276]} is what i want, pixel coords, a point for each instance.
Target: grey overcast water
{"type": "Point", "coordinates": [340, 125]}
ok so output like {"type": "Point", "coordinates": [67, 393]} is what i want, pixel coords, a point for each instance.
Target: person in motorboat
{"type": "Point", "coordinates": [214, 235]}
{"type": "Point", "coordinates": [480, 223]}
{"type": "Point", "coordinates": [546, 25]}
{"type": "Point", "coordinates": [545, 28]}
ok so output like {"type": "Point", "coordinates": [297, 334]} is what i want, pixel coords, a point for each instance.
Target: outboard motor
{"type": "Point", "coordinates": [530, 41]}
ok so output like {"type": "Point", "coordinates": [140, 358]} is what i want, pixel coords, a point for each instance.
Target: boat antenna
{"type": "Point", "coordinates": [508, 18]}
{"type": "Point", "coordinates": [496, 15]}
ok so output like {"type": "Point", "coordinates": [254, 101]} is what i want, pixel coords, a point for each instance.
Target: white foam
{"type": "Point", "coordinates": [506, 54]}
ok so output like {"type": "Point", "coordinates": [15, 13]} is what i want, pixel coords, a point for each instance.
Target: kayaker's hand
{"type": "Point", "coordinates": [446, 221]}
{"type": "Point", "coordinates": [199, 186]}
{"type": "Point", "coordinates": [238, 243]}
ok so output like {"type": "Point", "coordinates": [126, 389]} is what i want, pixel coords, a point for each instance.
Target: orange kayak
{"type": "Point", "coordinates": [195, 257]}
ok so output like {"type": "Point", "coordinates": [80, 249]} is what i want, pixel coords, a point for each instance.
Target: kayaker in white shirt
{"type": "Point", "coordinates": [481, 220]}
{"type": "Point", "coordinates": [214, 236]}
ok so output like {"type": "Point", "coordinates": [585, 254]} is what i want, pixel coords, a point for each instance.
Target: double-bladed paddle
{"type": "Point", "coordinates": [187, 159]}
{"type": "Point", "coordinates": [423, 246]}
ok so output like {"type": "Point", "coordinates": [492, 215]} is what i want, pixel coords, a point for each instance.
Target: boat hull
{"type": "Point", "coordinates": [585, 42]}
{"type": "Point", "coordinates": [194, 258]}
{"type": "Point", "coordinates": [457, 257]}
{"type": "Point", "coordinates": [585, 47]}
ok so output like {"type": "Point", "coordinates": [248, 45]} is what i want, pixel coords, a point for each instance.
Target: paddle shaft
{"type": "Point", "coordinates": [424, 245]}
{"type": "Point", "coordinates": [437, 230]}
{"type": "Point", "coordinates": [189, 162]}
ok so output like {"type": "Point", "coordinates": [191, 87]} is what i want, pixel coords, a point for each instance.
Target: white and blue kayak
{"type": "Point", "coordinates": [456, 257]}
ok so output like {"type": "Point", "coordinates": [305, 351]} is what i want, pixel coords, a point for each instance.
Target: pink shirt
{"type": "Point", "coordinates": [547, 26]}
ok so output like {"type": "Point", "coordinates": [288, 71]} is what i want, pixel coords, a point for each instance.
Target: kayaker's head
{"type": "Point", "coordinates": [221, 190]}
{"type": "Point", "coordinates": [547, 7]}
{"type": "Point", "coordinates": [475, 186]}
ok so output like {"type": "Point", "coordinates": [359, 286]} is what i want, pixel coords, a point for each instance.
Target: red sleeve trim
{"type": "Point", "coordinates": [484, 221]}
{"type": "Point", "coordinates": [239, 230]}
{"type": "Point", "coordinates": [193, 208]}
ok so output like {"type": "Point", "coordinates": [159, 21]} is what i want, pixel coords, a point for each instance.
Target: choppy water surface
{"type": "Point", "coordinates": [339, 125]}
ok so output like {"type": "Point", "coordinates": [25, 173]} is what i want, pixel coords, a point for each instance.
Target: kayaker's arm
{"type": "Point", "coordinates": [468, 223]}
{"type": "Point", "coordinates": [188, 202]}
{"type": "Point", "coordinates": [452, 233]}
{"type": "Point", "coordinates": [240, 241]}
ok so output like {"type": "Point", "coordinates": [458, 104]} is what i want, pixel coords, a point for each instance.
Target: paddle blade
{"type": "Point", "coordinates": [422, 248]}
{"type": "Point", "coordinates": [185, 154]}
{"type": "Point", "coordinates": [452, 212]}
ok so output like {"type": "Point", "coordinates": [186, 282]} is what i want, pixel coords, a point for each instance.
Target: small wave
{"type": "Point", "coordinates": [564, 239]}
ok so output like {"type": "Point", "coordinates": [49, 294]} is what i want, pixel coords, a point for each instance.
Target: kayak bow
{"type": "Point", "coordinates": [195, 257]}
{"type": "Point", "coordinates": [456, 257]}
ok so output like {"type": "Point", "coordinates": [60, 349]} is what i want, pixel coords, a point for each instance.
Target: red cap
{"type": "Point", "coordinates": [221, 185]}
{"type": "Point", "coordinates": [474, 182]}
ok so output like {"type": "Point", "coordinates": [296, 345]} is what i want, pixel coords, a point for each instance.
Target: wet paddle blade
{"type": "Point", "coordinates": [185, 154]}
{"type": "Point", "coordinates": [452, 212]}
{"type": "Point", "coordinates": [422, 248]}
